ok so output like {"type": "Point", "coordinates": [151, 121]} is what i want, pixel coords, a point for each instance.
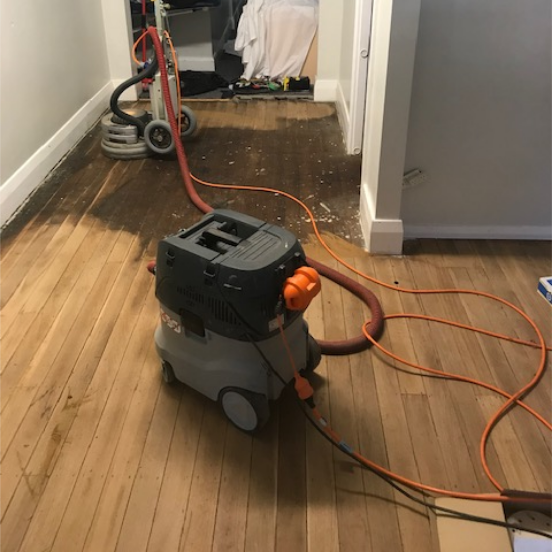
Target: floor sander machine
{"type": "Point", "coordinates": [232, 291]}
{"type": "Point", "coordinates": [136, 133]}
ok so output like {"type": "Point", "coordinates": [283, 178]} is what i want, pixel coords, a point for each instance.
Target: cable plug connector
{"type": "Point", "coordinates": [310, 403]}
{"type": "Point", "coordinates": [301, 288]}
{"type": "Point", "coordinates": [279, 309]}
{"type": "Point", "coordinates": [303, 388]}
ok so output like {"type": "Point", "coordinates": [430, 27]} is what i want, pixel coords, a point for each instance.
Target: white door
{"type": "Point", "coordinates": [351, 87]}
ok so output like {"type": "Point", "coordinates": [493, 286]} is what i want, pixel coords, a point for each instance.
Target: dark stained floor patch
{"type": "Point", "coordinates": [295, 146]}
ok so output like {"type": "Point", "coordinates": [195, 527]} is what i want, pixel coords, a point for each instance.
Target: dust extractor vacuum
{"type": "Point", "coordinates": [228, 288]}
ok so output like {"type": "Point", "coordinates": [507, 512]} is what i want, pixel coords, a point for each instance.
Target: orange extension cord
{"type": "Point", "coordinates": [135, 47]}
{"type": "Point", "coordinates": [178, 92]}
{"type": "Point", "coordinates": [512, 400]}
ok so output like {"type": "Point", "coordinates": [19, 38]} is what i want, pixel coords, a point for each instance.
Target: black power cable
{"type": "Point", "coordinates": [146, 73]}
{"type": "Point", "coordinates": [433, 507]}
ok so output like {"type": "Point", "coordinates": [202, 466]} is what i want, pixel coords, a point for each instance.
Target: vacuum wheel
{"type": "Point", "coordinates": [167, 372]}
{"type": "Point", "coordinates": [158, 137]}
{"type": "Point", "coordinates": [189, 122]}
{"type": "Point", "coordinates": [248, 411]}
{"type": "Point", "coordinates": [314, 354]}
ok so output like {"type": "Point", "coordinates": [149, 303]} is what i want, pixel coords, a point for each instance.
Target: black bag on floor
{"type": "Point", "coordinates": [199, 82]}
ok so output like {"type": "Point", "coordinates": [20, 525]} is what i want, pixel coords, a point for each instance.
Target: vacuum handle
{"type": "Point", "coordinates": [212, 236]}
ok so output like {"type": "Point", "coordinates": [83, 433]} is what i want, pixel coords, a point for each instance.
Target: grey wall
{"type": "Point", "coordinates": [480, 119]}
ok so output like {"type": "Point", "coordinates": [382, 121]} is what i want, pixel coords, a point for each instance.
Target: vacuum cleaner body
{"type": "Point", "coordinates": [219, 285]}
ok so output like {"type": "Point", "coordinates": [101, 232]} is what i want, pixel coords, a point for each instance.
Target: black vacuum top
{"type": "Point", "coordinates": [227, 270]}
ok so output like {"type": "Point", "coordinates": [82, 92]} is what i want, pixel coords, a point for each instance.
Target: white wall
{"type": "Point", "coordinates": [191, 35]}
{"type": "Point", "coordinates": [330, 29]}
{"type": "Point", "coordinates": [54, 84]}
{"type": "Point", "coordinates": [480, 122]}
{"type": "Point", "coordinates": [118, 40]}
{"type": "Point", "coordinates": [347, 43]}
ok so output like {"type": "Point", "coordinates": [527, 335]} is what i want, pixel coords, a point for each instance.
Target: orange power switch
{"type": "Point", "coordinates": [301, 288]}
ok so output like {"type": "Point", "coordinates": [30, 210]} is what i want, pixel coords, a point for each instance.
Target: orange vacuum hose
{"type": "Point", "coordinates": [512, 399]}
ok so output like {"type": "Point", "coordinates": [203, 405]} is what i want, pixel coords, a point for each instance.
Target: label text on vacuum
{"type": "Point", "coordinates": [172, 324]}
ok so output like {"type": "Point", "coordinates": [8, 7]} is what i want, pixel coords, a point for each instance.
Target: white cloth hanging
{"type": "Point", "coordinates": [290, 28]}
{"type": "Point", "coordinates": [274, 36]}
{"type": "Point", "coordinates": [250, 39]}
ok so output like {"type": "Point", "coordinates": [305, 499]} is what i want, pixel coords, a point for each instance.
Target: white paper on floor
{"type": "Point", "coordinates": [528, 544]}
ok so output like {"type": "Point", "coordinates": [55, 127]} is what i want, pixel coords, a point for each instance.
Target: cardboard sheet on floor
{"type": "Point", "coordinates": [456, 535]}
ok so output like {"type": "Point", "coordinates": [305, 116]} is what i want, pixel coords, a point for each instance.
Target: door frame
{"type": "Point", "coordinates": [351, 111]}
{"type": "Point", "coordinates": [389, 87]}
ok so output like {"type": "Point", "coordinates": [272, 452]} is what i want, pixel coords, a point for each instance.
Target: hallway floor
{"type": "Point", "coordinates": [98, 454]}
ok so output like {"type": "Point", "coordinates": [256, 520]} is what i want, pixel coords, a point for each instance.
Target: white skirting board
{"type": "Point", "coordinates": [343, 115]}
{"type": "Point", "coordinates": [20, 185]}
{"type": "Point", "coordinates": [325, 90]}
{"type": "Point", "coordinates": [477, 232]}
{"type": "Point", "coordinates": [382, 236]}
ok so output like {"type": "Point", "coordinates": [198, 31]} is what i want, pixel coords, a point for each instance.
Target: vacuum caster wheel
{"type": "Point", "coordinates": [314, 354]}
{"type": "Point", "coordinates": [248, 411]}
{"type": "Point", "coordinates": [189, 121]}
{"type": "Point", "coordinates": [159, 138]}
{"type": "Point", "coordinates": [168, 373]}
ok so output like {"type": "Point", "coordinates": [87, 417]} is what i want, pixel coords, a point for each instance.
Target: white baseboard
{"type": "Point", "coordinates": [384, 236]}
{"type": "Point", "coordinates": [325, 90]}
{"type": "Point", "coordinates": [478, 232]}
{"type": "Point", "coordinates": [343, 115]}
{"type": "Point", "coordinates": [20, 185]}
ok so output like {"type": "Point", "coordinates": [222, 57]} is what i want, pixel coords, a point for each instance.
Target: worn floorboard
{"type": "Point", "coordinates": [98, 454]}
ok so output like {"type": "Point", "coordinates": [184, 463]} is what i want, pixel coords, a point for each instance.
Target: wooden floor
{"type": "Point", "coordinates": [99, 455]}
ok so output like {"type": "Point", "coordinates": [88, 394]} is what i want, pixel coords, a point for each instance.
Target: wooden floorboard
{"type": "Point", "coordinates": [99, 454]}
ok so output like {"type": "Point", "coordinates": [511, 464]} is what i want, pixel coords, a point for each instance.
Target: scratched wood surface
{"type": "Point", "coordinates": [99, 455]}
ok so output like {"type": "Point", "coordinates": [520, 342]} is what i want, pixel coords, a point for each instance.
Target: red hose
{"type": "Point", "coordinates": [144, 48]}
{"type": "Point", "coordinates": [374, 327]}
{"type": "Point", "coordinates": [341, 347]}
